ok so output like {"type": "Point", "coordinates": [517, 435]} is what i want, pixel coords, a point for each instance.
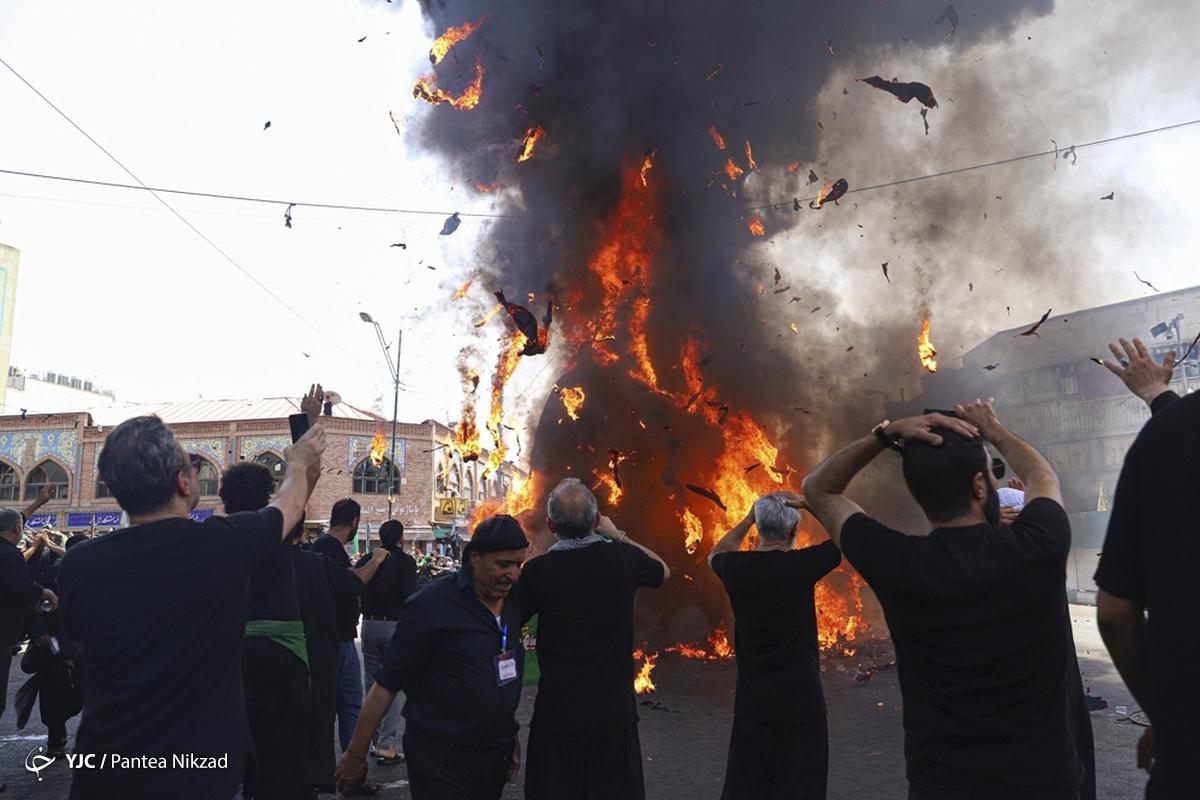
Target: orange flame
{"type": "Point", "coordinates": [694, 529]}
{"type": "Point", "coordinates": [733, 170]}
{"type": "Point", "coordinates": [521, 498]}
{"type": "Point", "coordinates": [462, 290]}
{"type": "Point", "coordinates": [426, 89]}
{"type": "Point", "coordinates": [378, 448]}
{"type": "Point", "coordinates": [505, 367]}
{"type": "Point", "coordinates": [717, 138]}
{"type": "Point", "coordinates": [532, 137]}
{"type": "Point", "coordinates": [794, 166]}
{"type": "Point", "coordinates": [756, 226]}
{"type": "Point", "coordinates": [452, 36]}
{"type": "Point", "coordinates": [719, 643]}
{"type": "Point", "coordinates": [572, 399]}
{"type": "Point", "coordinates": [647, 164]}
{"type": "Point", "coordinates": [609, 482]}
{"type": "Point", "coordinates": [479, 323]}
{"type": "Point", "coordinates": [925, 348]}
{"type": "Point", "coordinates": [750, 156]}
{"type": "Point", "coordinates": [794, 328]}
{"type": "Point", "coordinates": [486, 188]}
{"type": "Point", "coordinates": [642, 683]}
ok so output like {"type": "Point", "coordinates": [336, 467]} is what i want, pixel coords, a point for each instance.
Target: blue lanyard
{"type": "Point", "coordinates": [503, 636]}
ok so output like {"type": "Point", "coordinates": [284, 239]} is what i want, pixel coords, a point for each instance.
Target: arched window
{"type": "Point", "coordinates": [102, 489]}
{"type": "Point", "coordinates": [469, 492]}
{"type": "Point", "coordinates": [208, 474]}
{"type": "Point", "coordinates": [49, 474]}
{"type": "Point", "coordinates": [369, 479]}
{"type": "Point", "coordinates": [273, 463]}
{"type": "Point", "coordinates": [10, 484]}
{"type": "Point", "coordinates": [455, 487]}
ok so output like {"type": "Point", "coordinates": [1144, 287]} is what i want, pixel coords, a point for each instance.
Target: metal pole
{"type": "Point", "coordinates": [395, 412]}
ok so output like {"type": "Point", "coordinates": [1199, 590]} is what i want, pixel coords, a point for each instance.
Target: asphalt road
{"type": "Point", "coordinates": [684, 737]}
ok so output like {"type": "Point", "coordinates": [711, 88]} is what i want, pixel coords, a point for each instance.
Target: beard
{"type": "Point", "coordinates": [991, 506]}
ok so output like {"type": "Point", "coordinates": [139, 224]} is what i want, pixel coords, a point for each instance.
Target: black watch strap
{"type": "Point", "coordinates": [887, 441]}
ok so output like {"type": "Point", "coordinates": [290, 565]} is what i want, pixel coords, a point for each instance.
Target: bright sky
{"type": "Point", "coordinates": [114, 288]}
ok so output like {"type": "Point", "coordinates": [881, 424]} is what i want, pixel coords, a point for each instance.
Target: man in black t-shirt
{"type": "Point", "coordinates": [160, 611]}
{"type": "Point", "coordinates": [583, 739]}
{"type": "Point", "coordinates": [1149, 563]}
{"type": "Point", "coordinates": [780, 745]}
{"type": "Point", "coordinates": [274, 655]}
{"type": "Point", "coordinates": [343, 527]}
{"type": "Point", "coordinates": [977, 611]}
{"type": "Point", "coordinates": [382, 600]}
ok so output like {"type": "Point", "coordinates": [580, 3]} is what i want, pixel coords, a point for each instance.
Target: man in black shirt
{"type": "Point", "coordinates": [457, 656]}
{"type": "Point", "coordinates": [160, 611]}
{"type": "Point", "coordinates": [382, 600]}
{"type": "Point", "coordinates": [274, 654]}
{"type": "Point", "coordinates": [18, 593]}
{"type": "Point", "coordinates": [583, 739]}
{"type": "Point", "coordinates": [780, 744]}
{"type": "Point", "coordinates": [1149, 563]}
{"type": "Point", "coordinates": [343, 527]}
{"type": "Point", "coordinates": [977, 611]}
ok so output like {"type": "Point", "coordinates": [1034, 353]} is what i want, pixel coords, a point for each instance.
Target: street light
{"type": "Point", "coordinates": [394, 370]}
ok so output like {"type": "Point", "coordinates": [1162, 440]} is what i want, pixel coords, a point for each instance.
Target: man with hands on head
{"type": "Point", "coordinates": [977, 611]}
{"type": "Point", "coordinates": [1149, 562]}
{"type": "Point", "coordinates": [779, 746]}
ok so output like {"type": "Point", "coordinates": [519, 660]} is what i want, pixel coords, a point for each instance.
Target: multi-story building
{"type": "Point", "coordinates": [1049, 392]}
{"type": "Point", "coordinates": [430, 489]}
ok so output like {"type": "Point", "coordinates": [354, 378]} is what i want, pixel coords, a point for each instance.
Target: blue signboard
{"type": "Point", "coordinates": [101, 519]}
{"type": "Point", "coordinates": [200, 514]}
{"type": "Point", "coordinates": [42, 520]}
{"type": "Point", "coordinates": [108, 519]}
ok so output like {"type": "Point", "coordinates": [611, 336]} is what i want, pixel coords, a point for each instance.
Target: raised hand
{"type": "Point", "coordinates": [981, 415]}
{"type": "Point", "coordinates": [1138, 370]}
{"type": "Point", "coordinates": [310, 404]}
{"type": "Point", "coordinates": [920, 429]}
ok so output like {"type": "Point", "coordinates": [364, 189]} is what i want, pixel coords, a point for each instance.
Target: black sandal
{"type": "Point", "coordinates": [388, 761]}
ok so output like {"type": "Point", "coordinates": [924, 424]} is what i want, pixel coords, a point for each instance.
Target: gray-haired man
{"type": "Point", "coordinates": [779, 746]}
{"type": "Point", "coordinates": [583, 739]}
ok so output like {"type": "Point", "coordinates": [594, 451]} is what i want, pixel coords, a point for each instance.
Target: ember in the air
{"type": "Point", "coordinates": [452, 36]}
{"type": "Point", "coordinates": [925, 348]}
{"type": "Point", "coordinates": [378, 448]}
{"type": "Point", "coordinates": [572, 399]}
{"type": "Point", "coordinates": [532, 137]}
{"type": "Point", "coordinates": [642, 683]}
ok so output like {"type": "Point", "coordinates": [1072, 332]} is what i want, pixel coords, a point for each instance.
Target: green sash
{"type": "Point", "coordinates": [289, 633]}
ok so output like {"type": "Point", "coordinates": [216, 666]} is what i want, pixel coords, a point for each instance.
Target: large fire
{"type": "Point", "coordinates": [426, 89]}
{"type": "Point", "coordinates": [642, 682]}
{"type": "Point", "coordinates": [719, 648]}
{"type": "Point", "coordinates": [378, 448]}
{"type": "Point", "coordinates": [925, 348]}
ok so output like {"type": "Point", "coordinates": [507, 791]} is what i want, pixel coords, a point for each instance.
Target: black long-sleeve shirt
{"type": "Point", "coordinates": [391, 585]}
{"type": "Point", "coordinates": [443, 656]}
{"type": "Point", "coordinates": [18, 591]}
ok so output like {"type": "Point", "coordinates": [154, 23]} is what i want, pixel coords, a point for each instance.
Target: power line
{"type": "Point", "coordinates": [184, 219]}
{"type": "Point", "coordinates": [999, 162]}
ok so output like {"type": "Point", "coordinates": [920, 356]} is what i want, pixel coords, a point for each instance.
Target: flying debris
{"type": "Point", "coordinates": [535, 342]}
{"type": "Point", "coordinates": [925, 119]}
{"type": "Point", "coordinates": [970, 287]}
{"type": "Point", "coordinates": [287, 215]}
{"type": "Point", "coordinates": [1108, 196]}
{"type": "Point", "coordinates": [1034, 330]}
{"type": "Point", "coordinates": [541, 58]}
{"type": "Point", "coordinates": [795, 299]}
{"type": "Point", "coordinates": [532, 137]}
{"type": "Point", "coordinates": [708, 493]}
{"type": "Point", "coordinates": [795, 204]}
{"type": "Point", "coordinates": [831, 191]}
{"type": "Point", "coordinates": [267, 125]}
{"type": "Point", "coordinates": [812, 178]}
{"type": "Point", "coordinates": [829, 46]}
{"type": "Point", "coordinates": [715, 72]}
{"type": "Point", "coordinates": [885, 274]}
{"type": "Point", "coordinates": [363, 39]}
{"type": "Point", "coordinates": [949, 15]}
{"type": "Point", "coordinates": [990, 367]}
{"type": "Point", "coordinates": [1143, 280]}
{"type": "Point", "coordinates": [449, 226]}
{"type": "Point", "coordinates": [615, 459]}
{"type": "Point", "coordinates": [778, 276]}
{"type": "Point", "coordinates": [401, 245]}
{"type": "Point", "coordinates": [1095, 360]}
{"type": "Point", "coordinates": [904, 91]}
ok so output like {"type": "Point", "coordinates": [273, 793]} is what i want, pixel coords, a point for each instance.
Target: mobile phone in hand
{"type": "Point", "coordinates": [299, 426]}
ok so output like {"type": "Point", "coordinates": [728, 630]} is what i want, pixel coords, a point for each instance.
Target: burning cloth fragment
{"type": "Point", "coordinates": [708, 493]}
{"type": "Point", "coordinates": [903, 91]}
{"type": "Point", "coordinates": [522, 317]}
{"type": "Point", "coordinates": [830, 192]}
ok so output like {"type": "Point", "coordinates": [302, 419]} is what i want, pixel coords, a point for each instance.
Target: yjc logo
{"type": "Point", "coordinates": [35, 762]}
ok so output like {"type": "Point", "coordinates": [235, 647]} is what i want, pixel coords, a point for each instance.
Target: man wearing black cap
{"type": "Point", "coordinates": [456, 653]}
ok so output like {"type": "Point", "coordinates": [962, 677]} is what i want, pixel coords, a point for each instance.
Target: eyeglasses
{"type": "Point", "coordinates": [998, 468]}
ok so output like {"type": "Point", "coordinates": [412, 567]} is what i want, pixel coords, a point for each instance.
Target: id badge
{"type": "Point", "coordinates": [506, 667]}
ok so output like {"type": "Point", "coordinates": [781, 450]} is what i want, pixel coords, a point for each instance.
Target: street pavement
{"type": "Point", "coordinates": [685, 732]}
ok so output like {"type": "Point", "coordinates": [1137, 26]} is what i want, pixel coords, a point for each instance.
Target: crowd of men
{"type": "Point", "coordinates": [226, 642]}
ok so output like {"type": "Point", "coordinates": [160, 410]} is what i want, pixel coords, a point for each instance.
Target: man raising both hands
{"type": "Point", "coordinates": [976, 610]}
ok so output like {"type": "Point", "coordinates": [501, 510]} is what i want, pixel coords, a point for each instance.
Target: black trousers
{"type": "Point", "coordinates": [600, 768]}
{"type": "Point", "coordinates": [6, 654]}
{"type": "Point", "coordinates": [277, 702]}
{"type": "Point", "coordinates": [771, 760]}
{"type": "Point", "coordinates": [439, 769]}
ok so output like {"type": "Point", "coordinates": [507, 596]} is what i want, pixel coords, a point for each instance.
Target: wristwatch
{"type": "Point", "coordinates": [885, 440]}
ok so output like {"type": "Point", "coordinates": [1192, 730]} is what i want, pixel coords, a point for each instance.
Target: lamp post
{"type": "Point", "coordinates": [394, 369]}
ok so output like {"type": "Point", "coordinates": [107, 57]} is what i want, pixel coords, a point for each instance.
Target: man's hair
{"type": "Point", "coordinates": [391, 532]}
{"type": "Point", "coordinates": [939, 478]}
{"type": "Point", "coordinates": [75, 538]}
{"type": "Point", "coordinates": [246, 486]}
{"type": "Point", "coordinates": [775, 519]}
{"type": "Point", "coordinates": [140, 462]}
{"type": "Point", "coordinates": [344, 512]}
{"type": "Point", "coordinates": [572, 509]}
{"type": "Point", "coordinates": [11, 520]}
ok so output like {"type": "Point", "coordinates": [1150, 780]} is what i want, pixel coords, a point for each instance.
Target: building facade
{"type": "Point", "coordinates": [431, 490]}
{"type": "Point", "coordinates": [1080, 416]}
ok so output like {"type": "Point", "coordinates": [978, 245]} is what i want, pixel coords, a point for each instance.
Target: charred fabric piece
{"type": "Point", "coordinates": [522, 317]}
{"type": "Point", "coordinates": [708, 493]}
{"type": "Point", "coordinates": [1034, 330]}
{"type": "Point", "coordinates": [830, 192]}
{"type": "Point", "coordinates": [903, 91]}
